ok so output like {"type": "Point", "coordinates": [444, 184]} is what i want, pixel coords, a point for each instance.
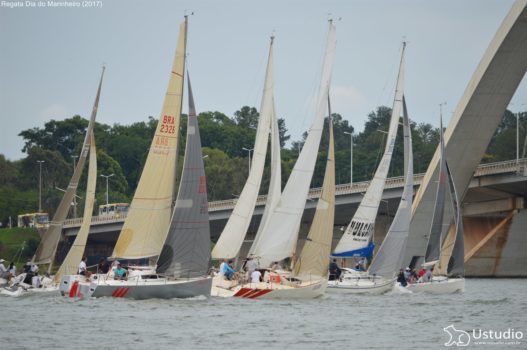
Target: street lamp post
{"type": "Point", "coordinates": [107, 177]}
{"type": "Point", "coordinates": [40, 186]}
{"type": "Point", "coordinates": [351, 156]}
{"type": "Point", "coordinates": [248, 150]}
{"type": "Point", "coordinates": [74, 198]}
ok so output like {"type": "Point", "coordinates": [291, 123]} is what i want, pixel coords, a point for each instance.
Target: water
{"type": "Point", "coordinates": [413, 321]}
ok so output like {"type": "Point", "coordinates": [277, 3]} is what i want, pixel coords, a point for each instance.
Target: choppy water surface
{"type": "Point", "coordinates": [413, 321]}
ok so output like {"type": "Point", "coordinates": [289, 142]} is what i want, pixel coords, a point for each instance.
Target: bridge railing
{"type": "Point", "coordinates": [342, 189]}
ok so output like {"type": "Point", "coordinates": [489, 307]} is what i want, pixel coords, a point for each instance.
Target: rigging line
{"type": "Point", "coordinates": [393, 67]}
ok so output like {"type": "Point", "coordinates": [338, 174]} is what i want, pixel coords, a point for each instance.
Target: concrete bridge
{"type": "Point", "coordinates": [495, 188]}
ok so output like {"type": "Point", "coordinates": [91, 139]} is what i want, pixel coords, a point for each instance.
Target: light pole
{"type": "Point", "coordinates": [248, 150]}
{"type": "Point", "coordinates": [40, 186]}
{"type": "Point", "coordinates": [74, 199]}
{"type": "Point", "coordinates": [351, 156]}
{"type": "Point", "coordinates": [518, 139]}
{"type": "Point", "coordinates": [107, 177]}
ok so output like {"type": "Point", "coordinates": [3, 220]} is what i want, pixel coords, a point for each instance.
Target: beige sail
{"type": "Point", "coordinates": [146, 226]}
{"type": "Point", "coordinates": [71, 263]}
{"type": "Point", "coordinates": [314, 259]}
{"type": "Point", "coordinates": [48, 245]}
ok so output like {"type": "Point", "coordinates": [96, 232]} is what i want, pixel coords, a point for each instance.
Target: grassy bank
{"type": "Point", "coordinates": [18, 244]}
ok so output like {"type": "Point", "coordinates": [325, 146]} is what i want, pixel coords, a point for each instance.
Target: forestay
{"type": "Point", "coordinates": [146, 226]}
{"type": "Point", "coordinates": [71, 262]}
{"type": "Point", "coordinates": [279, 235]}
{"type": "Point", "coordinates": [48, 245]}
{"type": "Point", "coordinates": [359, 231]}
{"type": "Point", "coordinates": [390, 255]}
{"type": "Point", "coordinates": [187, 248]}
{"type": "Point", "coordinates": [231, 239]}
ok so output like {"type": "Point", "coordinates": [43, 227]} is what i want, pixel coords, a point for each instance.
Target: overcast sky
{"type": "Point", "coordinates": [50, 58]}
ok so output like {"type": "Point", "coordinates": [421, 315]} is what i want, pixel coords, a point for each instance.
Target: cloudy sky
{"type": "Point", "coordinates": [51, 58]}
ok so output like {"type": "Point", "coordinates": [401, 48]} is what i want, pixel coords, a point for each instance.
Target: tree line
{"type": "Point", "coordinates": [122, 151]}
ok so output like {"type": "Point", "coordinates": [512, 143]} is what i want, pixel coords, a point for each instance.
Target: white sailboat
{"type": "Point", "coordinates": [231, 239]}
{"type": "Point", "coordinates": [46, 250]}
{"type": "Point", "coordinates": [446, 259]}
{"type": "Point", "coordinates": [278, 236]}
{"type": "Point", "coordinates": [357, 238]}
{"type": "Point", "coordinates": [380, 277]}
{"type": "Point", "coordinates": [176, 241]}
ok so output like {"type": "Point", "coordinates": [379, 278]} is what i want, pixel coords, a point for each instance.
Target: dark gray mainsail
{"type": "Point", "coordinates": [434, 239]}
{"type": "Point", "coordinates": [390, 255]}
{"type": "Point", "coordinates": [186, 253]}
{"type": "Point", "coordinates": [456, 264]}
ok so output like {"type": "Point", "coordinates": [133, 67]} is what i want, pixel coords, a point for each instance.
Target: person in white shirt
{"type": "Point", "coordinates": [35, 281]}
{"type": "Point", "coordinates": [3, 271]}
{"type": "Point", "coordinates": [256, 276]}
{"type": "Point", "coordinates": [82, 267]}
{"type": "Point", "coordinates": [250, 267]}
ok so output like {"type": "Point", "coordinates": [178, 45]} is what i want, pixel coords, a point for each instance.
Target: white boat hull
{"type": "Point", "coordinates": [270, 290]}
{"type": "Point", "coordinates": [161, 288]}
{"type": "Point", "coordinates": [361, 286]}
{"type": "Point", "coordinates": [439, 286]}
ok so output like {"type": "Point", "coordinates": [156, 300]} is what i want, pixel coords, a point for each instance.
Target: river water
{"type": "Point", "coordinates": [407, 321]}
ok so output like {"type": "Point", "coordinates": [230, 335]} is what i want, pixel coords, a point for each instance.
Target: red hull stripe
{"type": "Point", "coordinates": [259, 293]}
{"type": "Point", "coordinates": [242, 292]}
{"type": "Point", "coordinates": [115, 292]}
{"type": "Point", "coordinates": [123, 293]}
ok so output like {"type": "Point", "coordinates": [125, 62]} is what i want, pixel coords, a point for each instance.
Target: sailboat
{"type": "Point", "coordinates": [182, 267]}
{"type": "Point", "coordinates": [70, 265]}
{"type": "Point", "coordinates": [357, 240]}
{"type": "Point", "coordinates": [278, 237]}
{"type": "Point", "coordinates": [380, 276]}
{"type": "Point", "coordinates": [231, 239]}
{"type": "Point", "coordinates": [446, 259]}
{"type": "Point", "coordinates": [47, 248]}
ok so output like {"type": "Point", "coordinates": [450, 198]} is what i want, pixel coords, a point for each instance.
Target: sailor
{"type": "Point", "coordinates": [362, 264]}
{"type": "Point", "coordinates": [334, 270]}
{"type": "Point", "coordinates": [35, 281]}
{"type": "Point", "coordinates": [427, 277]}
{"type": "Point", "coordinates": [12, 269]}
{"type": "Point", "coordinates": [276, 266]}
{"type": "Point", "coordinates": [103, 266]}
{"type": "Point", "coordinates": [250, 266]}
{"type": "Point", "coordinates": [222, 266]}
{"type": "Point", "coordinates": [228, 271]}
{"type": "Point", "coordinates": [4, 273]}
{"type": "Point", "coordinates": [401, 279]}
{"type": "Point", "coordinates": [82, 267]}
{"type": "Point", "coordinates": [120, 272]}
{"type": "Point", "coordinates": [256, 276]}
{"type": "Point", "coordinates": [407, 273]}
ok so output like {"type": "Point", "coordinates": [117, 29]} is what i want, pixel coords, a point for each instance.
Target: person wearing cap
{"type": "Point", "coordinates": [334, 271]}
{"type": "Point", "coordinates": [120, 272]}
{"type": "Point", "coordinates": [427, 277]}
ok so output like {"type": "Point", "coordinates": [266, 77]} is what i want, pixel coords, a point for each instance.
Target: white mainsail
{"type": "Point", "coordinates": [390, 255]}
{"type": "Point", "coordinates": [275, 185]}
{"type": "Point", "coordinates": [231, 239]}
{"type": "Point", "coordinates": [314, 259]}
{"type": "Point", "coordinates": [71, 262]}
{"type": "Point", "coordinates": [280, 233]}
{"type": "Point", "coordinates": [48, 245]}
{"type": "Point", "coordinates": [356, 239]}
{"type": "Point", "coordinates": [146, 226]}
